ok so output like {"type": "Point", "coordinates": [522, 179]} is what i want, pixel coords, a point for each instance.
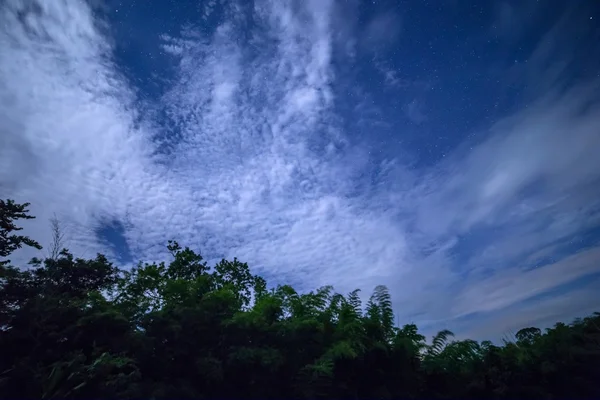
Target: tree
{"type": "Point", "coordinates": [74, 328]}
{"type": "Point", "coordinates": [527, 336]}
{"type": "Point", "coordinates": [58, 238]}
{"type": "Point", "coordinates": [9, 213]}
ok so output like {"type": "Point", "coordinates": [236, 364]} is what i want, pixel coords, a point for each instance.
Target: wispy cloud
{"type": "Point", "coordinates": [542, 311]}
{"type": "Point", "coordinates": [382, 31]}
{"type": "Point", "coordinates": [249, 158]}
{"type": "Point", "coordinates": [414, 112]}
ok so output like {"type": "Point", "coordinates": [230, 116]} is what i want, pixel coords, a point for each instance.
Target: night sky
{"type": "Point", "coordinates": [447, 149]}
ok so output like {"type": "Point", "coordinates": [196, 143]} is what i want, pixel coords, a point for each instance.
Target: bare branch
{"type": "Point", "coordinates": [58, 238]}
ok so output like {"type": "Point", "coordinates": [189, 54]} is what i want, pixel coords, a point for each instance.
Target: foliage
{"type": "Point", "coordinates": [74, 328]}
{"type": "Point", "coordinates": [9, 213]}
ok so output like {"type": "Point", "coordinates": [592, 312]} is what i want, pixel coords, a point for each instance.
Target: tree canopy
{"type": "Point", "coordinates": [85, 329]}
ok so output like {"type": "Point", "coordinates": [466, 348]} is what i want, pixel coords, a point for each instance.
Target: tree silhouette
{"type": "Point", "coordinates": [9, 213]}
{"type": "Point", "coordinates": [72, 328]}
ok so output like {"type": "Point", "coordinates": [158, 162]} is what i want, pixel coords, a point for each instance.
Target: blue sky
{"type": "Point", "coordinates": [447, 149]}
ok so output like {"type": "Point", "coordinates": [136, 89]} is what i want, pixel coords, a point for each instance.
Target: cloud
{"type": "Point", "coordinates": [245, 154]}
{"type": "Point", "coordinates": [542, 312]}
{"type": "Point", "coordinates": [535, 159]}
{"type": "Point", "coordinates": [381, 31]}
{"type": "Point", "coordinates": [257, 153]}
{"type": "Point", "coordinates": [511, 286]}
{"type": "Point", "coordinates": [531, 183]}
{"type": "Point", "coordinates": [392, 79]}
{"type": "Point", "coordinates": [512, 19]}
{"type": "Point", "coordinates": [65, 116]}
{"type": "Point", "coordinates": [414, 112]}
{"type": "Point", "coordinates": [285, 176]}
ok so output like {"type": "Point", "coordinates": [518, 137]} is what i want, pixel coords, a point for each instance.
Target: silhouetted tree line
{"type": "Point", "coordinates": [75, 328]}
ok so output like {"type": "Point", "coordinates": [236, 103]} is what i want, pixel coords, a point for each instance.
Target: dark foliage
{"type": "Point", "coordinates": [9, 212]}
{"type": "Point", "coordinates": [74, 328]}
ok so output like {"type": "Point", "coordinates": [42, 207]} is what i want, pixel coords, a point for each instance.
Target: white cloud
{"type": "Point", "coordinates": [511, 286]}
{"type": "Point", "coordinates": [542, 313]}
{"type": "Point", "coordinates": [529, 184]}
{"type": "Point", "coordinates": [414, 112]}
{"type": "Point", "coordinates": [551, 144]}
{"type": "Point", "coordinates": [64, 106]}
{"type": "Point", "coordinates": [381, 31]}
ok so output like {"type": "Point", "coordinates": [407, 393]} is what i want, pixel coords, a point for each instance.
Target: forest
{"type": "Point", "coordinates": [74, 328]}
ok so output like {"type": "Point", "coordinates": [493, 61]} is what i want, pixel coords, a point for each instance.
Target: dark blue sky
{"type": "Point", "coordinates": [460, 65]}
{"type": "Point", "coordinates": [448, 149]}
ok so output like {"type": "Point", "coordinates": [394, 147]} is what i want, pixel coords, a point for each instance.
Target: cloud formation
{"type": "Point", "coordinates": [246, 154]}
